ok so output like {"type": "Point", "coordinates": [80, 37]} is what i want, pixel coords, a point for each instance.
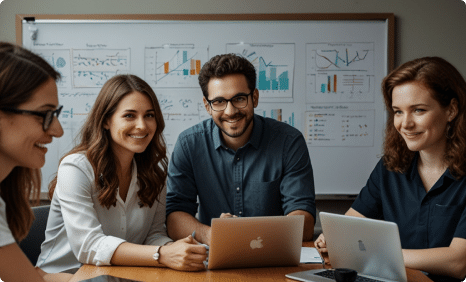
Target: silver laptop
{"type": "Point", "coordinates": [371, 247]}
{"type": "Point", "coordinates": [255, 241]}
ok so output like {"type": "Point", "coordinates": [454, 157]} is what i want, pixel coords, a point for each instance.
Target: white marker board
{"type": "Point", "coordinates": [321, 73]}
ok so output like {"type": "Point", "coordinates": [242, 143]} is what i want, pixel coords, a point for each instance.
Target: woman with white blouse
{"type": "Point", "coordinates": [108, 198]}
{"type": "Point", "coordinates": [28, 122]}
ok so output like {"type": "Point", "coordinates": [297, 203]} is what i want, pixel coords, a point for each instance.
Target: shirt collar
{"type": "Point", "coordinates": [448, 174]}
{"type": "Point", "coordinates": [412, 171]}
{"type": "Point", "coordinates": [254, 140]}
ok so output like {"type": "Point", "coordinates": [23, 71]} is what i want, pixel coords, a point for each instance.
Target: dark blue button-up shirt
{"type": "Point", "coordinates": [425, 219]}
{"type": "Point", "coordinates": [270, 175]}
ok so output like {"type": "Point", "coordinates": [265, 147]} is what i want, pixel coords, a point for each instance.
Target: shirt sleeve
{"type": "Point", "coordinates": [85, 235]}
{"type": "Point", "coordinates": [297, 185]}
{"type": "Point", "coordinates": [181, 185]}
{"type": "Point", "coordinates": [157, 235]}
{"type": "Point", "coordinates": [6, 237]}
{"type": "Point", "coordinates": [369, 201]}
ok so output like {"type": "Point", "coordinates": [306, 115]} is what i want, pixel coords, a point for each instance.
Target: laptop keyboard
{"type": "Point", "coordinates": [329, 274]}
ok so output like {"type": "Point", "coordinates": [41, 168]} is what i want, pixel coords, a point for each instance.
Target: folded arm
{"type": "Point", "coordinates": [184, 254]}
{"type": "Point", "coordinates": [448, 261]}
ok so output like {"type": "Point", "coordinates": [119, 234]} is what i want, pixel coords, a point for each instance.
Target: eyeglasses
{"type": "Point", "coordinates": [239, 101]}
{"type": "Point", "coordinates": [47, 115]}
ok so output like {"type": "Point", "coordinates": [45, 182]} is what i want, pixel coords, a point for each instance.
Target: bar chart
{"type": "Point", "coordinates": [339, 72]}
{"type": "Point", "coordinates": [274, 64]}
{"type": "Point", "coordinates": [177, 66]}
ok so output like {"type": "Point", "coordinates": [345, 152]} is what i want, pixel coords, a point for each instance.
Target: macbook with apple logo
{"type": "Point", "coordinates": [371, 247]}
{"type": "Point", "coordinates": [255, 241]}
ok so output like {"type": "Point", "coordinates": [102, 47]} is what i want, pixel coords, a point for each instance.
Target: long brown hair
{"type": "Point", "coordinates": [95, 142]}
{"type": "Point", "coordinates": [445, 84]}
{"type": "Point", "coordinates": [21, 73]}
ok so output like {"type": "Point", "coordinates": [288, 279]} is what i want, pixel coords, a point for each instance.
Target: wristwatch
{"type": "Point", "coordinates": [156, 256]}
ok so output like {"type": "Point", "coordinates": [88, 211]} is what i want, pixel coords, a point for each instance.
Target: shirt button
{"type": "Point", "coordinates": [240, 212]}
{"type": "Point", "coordinates": [237, 159]}
{"type": "Point", "coordinates": [237, 188]}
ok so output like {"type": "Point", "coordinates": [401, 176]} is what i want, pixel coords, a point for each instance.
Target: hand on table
{"type": "Point", "coordinates": [227, 215]}
{"type": "Point", "coordinates": [185, 254]}
{"type": "Point", "coordinates": [321, 247]}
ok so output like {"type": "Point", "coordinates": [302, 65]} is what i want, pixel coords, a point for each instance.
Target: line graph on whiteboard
{"type": "Point", "coordinates": [339, 72]}
{"type": "Point", "coordinates": [93, 67]}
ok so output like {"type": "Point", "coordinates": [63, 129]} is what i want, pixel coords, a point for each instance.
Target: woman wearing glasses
{"type": "Point", "coordinates": [420, 181]}
{"type": "Point", "coordinates": [108, 199]}
{"type": "Point", "coordinates": [28, 111]}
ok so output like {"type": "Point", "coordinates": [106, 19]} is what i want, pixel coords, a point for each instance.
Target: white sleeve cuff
{"type": "Point", "coordinates": [105, 250]}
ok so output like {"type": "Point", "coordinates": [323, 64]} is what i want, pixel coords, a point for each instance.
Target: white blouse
{"type": "Point", "coordinates": [6, 237]}
{"type": "Point", "coordinates": [82, 231]}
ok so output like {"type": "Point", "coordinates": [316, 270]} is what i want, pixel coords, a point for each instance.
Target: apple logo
{"type": "Point", "coordinates": [362, 248]}
{"type": "Point", "coordinates": [256, 244]}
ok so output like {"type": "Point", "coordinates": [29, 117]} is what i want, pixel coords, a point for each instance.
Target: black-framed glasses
{"type": "Point", "coordinates": [46, 115]}
{"type": "Point", "coordinates": [239, 101]}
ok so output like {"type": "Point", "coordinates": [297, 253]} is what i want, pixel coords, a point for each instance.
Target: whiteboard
{"type": "Point", "coordinates": [321, 76]}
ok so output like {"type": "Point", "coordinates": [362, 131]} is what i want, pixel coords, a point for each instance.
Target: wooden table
{"type": "Point", "coordinates": [226, 275]}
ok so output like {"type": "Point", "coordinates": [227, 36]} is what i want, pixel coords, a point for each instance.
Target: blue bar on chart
{"type": "Point", "coordinates": [284, 81]}
{"type": "Point", "coordinates": [291, 119]}
{"type": "Point", "coordinates": [271, 82]}
{"type": "Point", "coordinates": [185, 59]}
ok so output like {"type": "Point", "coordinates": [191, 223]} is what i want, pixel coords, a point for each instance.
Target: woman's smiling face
{"type": "Point", "coordinates": [419, 118]}
{"type": "Point", "coordinates": [22, 138]}
{"type": "Point", "coordinates": [132, 126]}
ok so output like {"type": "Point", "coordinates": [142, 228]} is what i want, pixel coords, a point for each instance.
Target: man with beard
{"type": "Point", "coordinates": [236, 164]}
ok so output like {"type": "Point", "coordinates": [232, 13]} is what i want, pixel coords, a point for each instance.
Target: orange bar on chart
{"type": "Point", "coordinates": [335, 83]}
{"type": "Point", "coordinates": [198, 66]}
{"type": "Point", "coordinates": [193, 67]}
{"type": "Point", "coordinates": [166, 67]}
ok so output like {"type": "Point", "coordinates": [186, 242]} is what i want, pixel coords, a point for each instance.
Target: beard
{"type": "Point", "coordinates": [238, 132]}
